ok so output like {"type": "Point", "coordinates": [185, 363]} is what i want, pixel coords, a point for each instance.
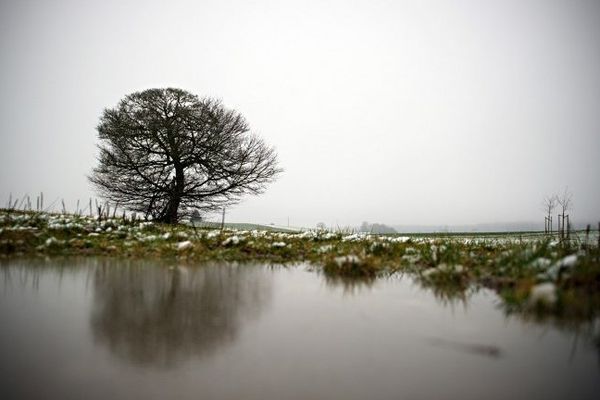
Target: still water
{"type": "Point", "coordinates": [109, 329]}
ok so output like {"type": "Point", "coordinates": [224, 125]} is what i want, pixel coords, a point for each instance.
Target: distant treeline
{"type": "Point", "coordinates": [376, 228]}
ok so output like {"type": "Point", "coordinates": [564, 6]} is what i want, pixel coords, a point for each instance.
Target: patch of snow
{"type": "Point", "coordinates": [561, 266]}
{"type": "Point", "coordinates": [355, 237]}
{"type": "Point", "coordinates": [376, 245]}
{"type": "Point", "coordinates": [212, 234]}
{"type": "Point", "coordinates": [349, 259]}
{"type": "Point", "coordinates": [149, 238]}
{"type": "Point", "coordinates": [399, 239]}
{"type": "Point", "coordinates": [429, 271]}
{"type": "Point", "coordinates": [540, 263]}
{"type": "Point", "coordinates": [51, 240]}
{"type": "Point", "coordinates": [308, 235]}
{"type": "Point", "coordinates": [144, 225]}
{"type": "Point", "coordinates": [568, 262]}
{"type": "Point", "coordinates": [443, 267]}
{"type": "Point", "coordinates": [433, 252]}
{"type": "Point", "coordinates": [233, 240]}
{"type": "Point", "coordinates": [325, 248]}
{"type": "Point", "coordinates": [184, 245]}
{"type": "Point", "coordinates": [411, 258]}
{"type": "Point", "coordinates": [544, 293]}
{"type": "Point", "coordinates": [459, 269]}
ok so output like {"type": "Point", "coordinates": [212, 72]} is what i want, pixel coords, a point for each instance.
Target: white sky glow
{"type": "Point", "coordinates": [401, 112]}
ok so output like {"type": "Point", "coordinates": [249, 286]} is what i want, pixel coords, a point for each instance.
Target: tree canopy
{"type": "Point", "coordinates": [167, 152]}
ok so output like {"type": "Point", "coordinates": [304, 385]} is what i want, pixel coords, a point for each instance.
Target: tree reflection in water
{"type": "Point", "coordinates": [151, 315]}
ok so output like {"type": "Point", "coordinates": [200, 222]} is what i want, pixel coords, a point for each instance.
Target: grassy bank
{"type": "Point", "coordinates": [530, 272]}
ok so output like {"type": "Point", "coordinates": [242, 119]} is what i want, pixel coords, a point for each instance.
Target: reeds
{"type": "Point", "coordinates": [102, 211]}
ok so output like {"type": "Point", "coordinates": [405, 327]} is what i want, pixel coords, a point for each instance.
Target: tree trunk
{"type": "Point", "coordinates": [170, 214]}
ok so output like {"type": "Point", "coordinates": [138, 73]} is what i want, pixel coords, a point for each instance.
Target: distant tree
{"type": "Point", "coordinates": [321, 226]}
{"type": "Point", "coordinates": [365, 227]}
{"type": "Point", "coordinates": [165, 152]}
{"type": "Point", "coordinates": [195, 216]}
{"type": "Point", "coordinates": [549, 206]}
{"type": "Point", "coordinates": [376, 228]}
{"type": "Point", "coordinates": [565, 201]}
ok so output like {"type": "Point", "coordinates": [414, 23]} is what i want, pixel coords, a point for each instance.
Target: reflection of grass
{"type": "Point", "coordinates": [447, 287]}
{"type": "Point", "coordinates": [514, 266]}
{"type": "Point", "coordinates": [576, 311]}
{"type": "Point", "coordinates": [349, 285]}
{"type": "Point", "coordinates": [352, 266]}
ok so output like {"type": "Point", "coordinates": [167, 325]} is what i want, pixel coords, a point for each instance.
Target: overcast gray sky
{"type": "Point", "coordinates": [402, 112]}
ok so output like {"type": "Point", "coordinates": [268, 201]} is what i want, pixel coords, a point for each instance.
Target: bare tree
{"type": "Point", "coordinates": [166, 152]}
{"type": "Point", "coordinates": [565, 203]}
{"type": "Point", "coordinates": [549, 206]}
{"type": "Point", "coordinates": [184, 313]}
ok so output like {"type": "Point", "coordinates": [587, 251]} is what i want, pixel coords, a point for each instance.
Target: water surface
{"type": "Point", "coordinates": [98, 329]}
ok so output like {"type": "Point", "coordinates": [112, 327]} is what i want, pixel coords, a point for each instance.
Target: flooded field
{"type": "Point", "coordinates": [101, 328]}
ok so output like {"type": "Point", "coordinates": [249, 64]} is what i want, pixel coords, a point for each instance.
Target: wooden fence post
{"type": "Point", "coordinates": [223, 220]}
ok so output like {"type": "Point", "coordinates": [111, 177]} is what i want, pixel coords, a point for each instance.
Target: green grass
{"type": "Point", "coordinates": [242, 226]}
{"type": "Point", "coordinates": [516, 266]}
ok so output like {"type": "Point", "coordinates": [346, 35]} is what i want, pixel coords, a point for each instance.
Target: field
{"type": "Point", "coordinates": [532, 272]}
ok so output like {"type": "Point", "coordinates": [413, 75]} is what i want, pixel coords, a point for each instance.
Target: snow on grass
{"type": "Point", "coordinates": [231, 241]}
{"type": "Point", "coordinates": [349, 259]}
{"type": "Point", "coordinates": [185, 245]}
{"type": "Point", "coordinates": [544, 293]}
